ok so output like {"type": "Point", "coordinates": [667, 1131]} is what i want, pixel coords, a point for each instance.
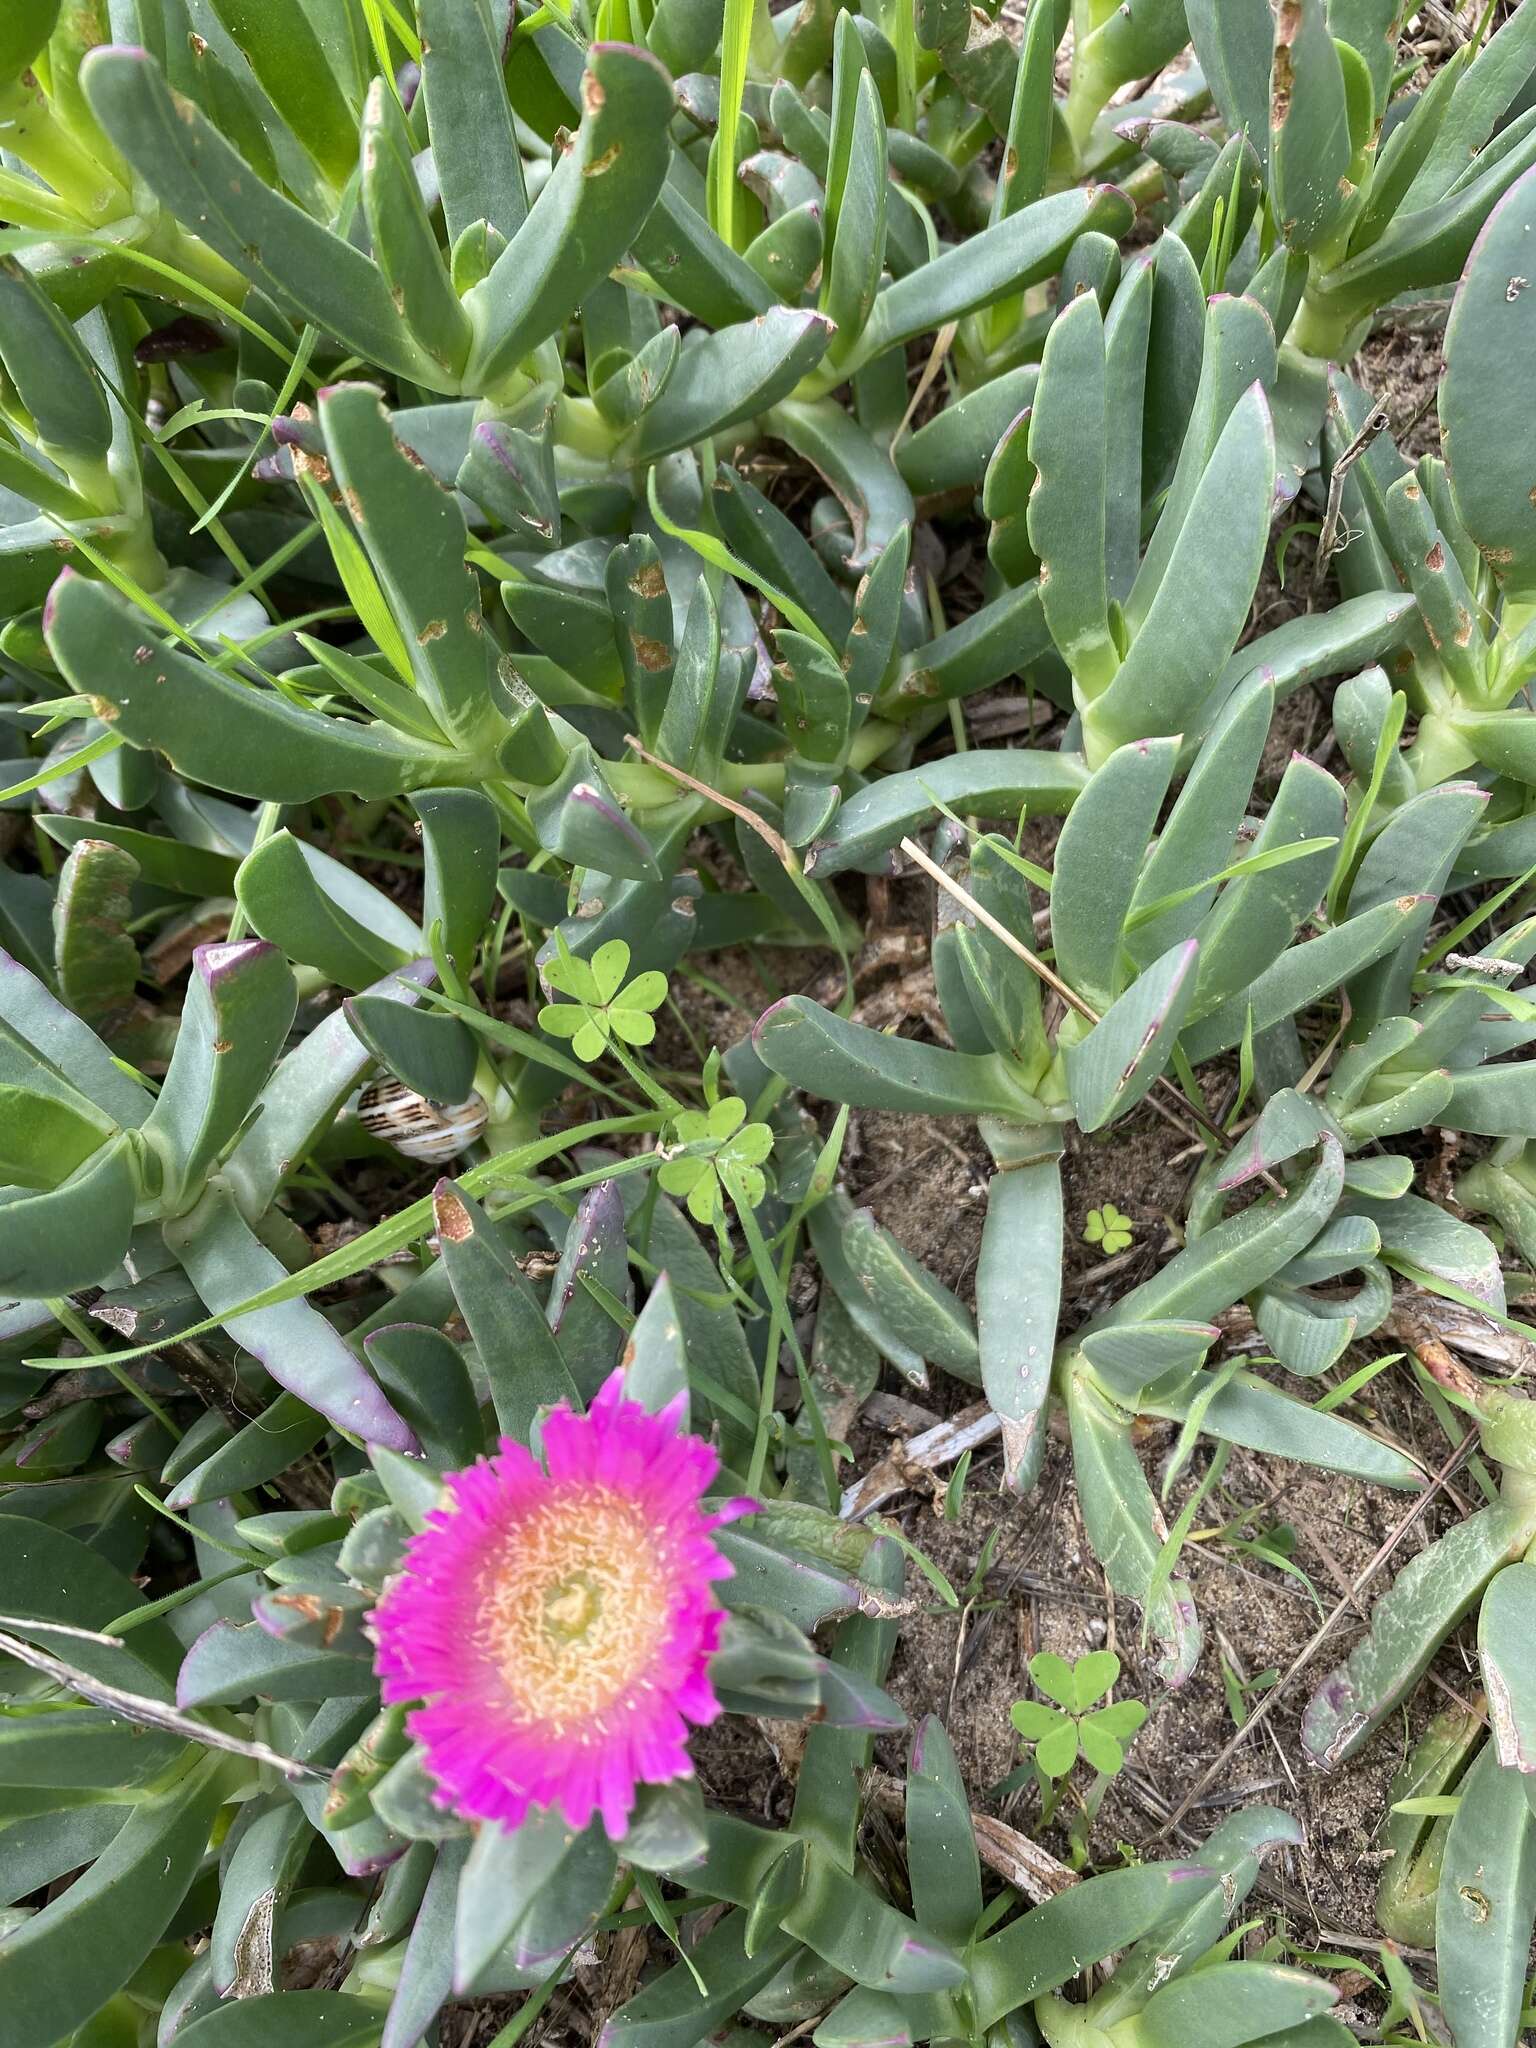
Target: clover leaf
{"type": "Point", "coordinates": [1108, 1227]}
{"type": "Point", "coordinates": [1074, 1724]}
{"type": "Point", "coordinates": [602, 1006]}
{"type": "Point", "coordinates": [724, 1154]}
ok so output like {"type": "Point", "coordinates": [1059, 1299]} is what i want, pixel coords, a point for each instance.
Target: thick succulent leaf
{"type": "Point", "coordinates": [597, 198]}
{"type": "Point", "coordinates": [414, 535]}
{"type": "Point", "coordinates": [1169, 680]}
{"type": "Point", "coordinates": [856, 469]}
{"type": "Point", "coordinates": [1234, 43]}
{"type": "Point", "coordinates": [1227, 2004]}
{"type": "Point", "coordinates": [954, 447]}
{"type": "Point", "coordinates": [1099, 859]}
{"type": "Point", "coordinates": [1006, 636]}
{"type": "Point", "coordinates": [1018, 1296]}
{"type": "Point", "coordinates": [96, 962]}
{"type": "Point", "coordinates": [579, 817]}
{"type": "Point", "coordinates": [1428, 1239]}
{"type": "Point", "coordinates": [989, 782]}
{"type": "Point", "coordinates": [1017, 252]}
{"type": "Point", "coordinates": [1249, 1411]}
{"type": "Point", "coordinates": [60, 1967]}
{"type": "Point", "coordinates": [31, 1016]}
{"type": "Point", "coordinates": [517, 1349]}
{"type": "Point", "coordinates": [671, 2011]}
{"type": "Point", "coordinates": [228, 1265]}
{"type": "Point", "coordinates": [1485, 1907]}
{"type": "Point", "coordinates": [298, 264]}
{"type": "Point", "coordinates": [842, 1061]}
{"type": "Point", "coordinates": [1317, 644]}
{"type": "Point", "coordinates": [588, 1335]}
{"type": "Point", "coordinates": [725, 378]}
{"type": "Point", "coordinates": [1126, 1527]}
{"type": "Point", "coordinates": [1258, 914]}
{"type": "Point", "coordinates": [1300, 976]}
{"type": "Point", "coordinates": [854, 1929]}
{"type": "Point", "coordinates": [1200, 832]}
{"type": "Point", "coordinates": [1175, 345]}
{"type": "Point", "coordinates": [1238, 352]}
{"type": "Point", "coordinates": [941, 1847]}
{"type": "Point", "coordinates": [1489, 442]}
{"type": "Point", "coordinates": [1432, 1593]}
{"type": "Point", "coordinates": [323, 915]}
{"type": "Point", "coordinates": [52, 1576]}
{"type": "Point", "coordinates": [469, 118]}
{"type": "Point", "coordinates": [309, 2019]}
{"type": "Point", "coordinates": [1067, 510]}
{"type": "Point", "coordinates": [241, 999]}
{"type": "Point", "coordinates": [27, 28]}
{"type": "Point", "coordinates": [73, 1235]}
{"type": "Point", "coordinates": [1429, 245]}
{"type": "Point", "coordinates": [1482, 94]}
{"type": "Point", "coordinates": [1233, 1855]}
{"type": "Point", "coordinates": [1110, 1070]}
{"type": "Point", "coordinates": [698, 270]}
{"type": "Point", "coordinates": [868, 1266]}
{"type": "Point", "coordinates": [268, 1445]}
{"type": "Point", "coordinates": [51, 370]}
{"type": "Point", "coordinates": [770, 542]}
{"type": "Point", "coordinates": [232, 1662]}
{"type": "Point", "coordinates": [248, 741]}
{"type": "Point", "coordinates": [1044, 1947]}
{"type": "Point", "coordinates": [856, 203]}
{"type": "Point", "coordinates": [1506, 1641]}
{"type": "Point", "coordinates": [1310, 149]}
{"type": "Point", "coordinates": [1237, 1255]}
{"type": "Point", "coordinates": [306, 1090]}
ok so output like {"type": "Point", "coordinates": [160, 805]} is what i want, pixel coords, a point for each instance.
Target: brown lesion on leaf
{"type": "Point", "coordinates": [434, 629]}
{"type": "Point", "coordinates": [354, 505]}
{"type": "Point", "coordinates": [104, 710]}
{"type": "Point", "coordinates": [593, 98]}
{"type": "Point", "coordinates": [605, 162]}
{"type": "Point", "coordinates": [310, 1607]}
{"type": "Point", "coordinates": [222, 1045]}
{"type": "Point", "coordinates": [1283, 71]}
{"type": "Point", "coordinates": [1435, 559]}
{"type": "Point", "coordinates": [453, 1220]}
{"type": "Point", "coordinates": [649, 581]}
{"type": "Point", "coordinates": [652, 655]}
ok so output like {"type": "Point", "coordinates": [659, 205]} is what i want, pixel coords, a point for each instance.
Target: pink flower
{"type": "Point", "coordinates": [558, 1622]}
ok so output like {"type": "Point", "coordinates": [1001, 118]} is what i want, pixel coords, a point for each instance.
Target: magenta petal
{"type": "Point", "coordinates": [556, 1623]}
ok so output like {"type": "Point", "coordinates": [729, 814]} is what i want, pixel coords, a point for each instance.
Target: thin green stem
{"type": "Point", "coordinates": [736, 41]}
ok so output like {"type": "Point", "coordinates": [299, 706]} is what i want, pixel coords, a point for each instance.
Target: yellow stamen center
{"type": "Point", "coordinates": [571, 1605]}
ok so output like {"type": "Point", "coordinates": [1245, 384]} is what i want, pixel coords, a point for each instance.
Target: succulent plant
{"type": "Point", "coordinates": [501, 503]}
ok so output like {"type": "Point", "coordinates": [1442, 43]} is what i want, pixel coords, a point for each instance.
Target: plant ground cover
{"type": "Point", "coordinates": [805, 651]}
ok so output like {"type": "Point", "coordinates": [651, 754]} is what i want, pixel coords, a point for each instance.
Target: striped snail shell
{"type": "Point", "coordinates": [420, 1129]}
